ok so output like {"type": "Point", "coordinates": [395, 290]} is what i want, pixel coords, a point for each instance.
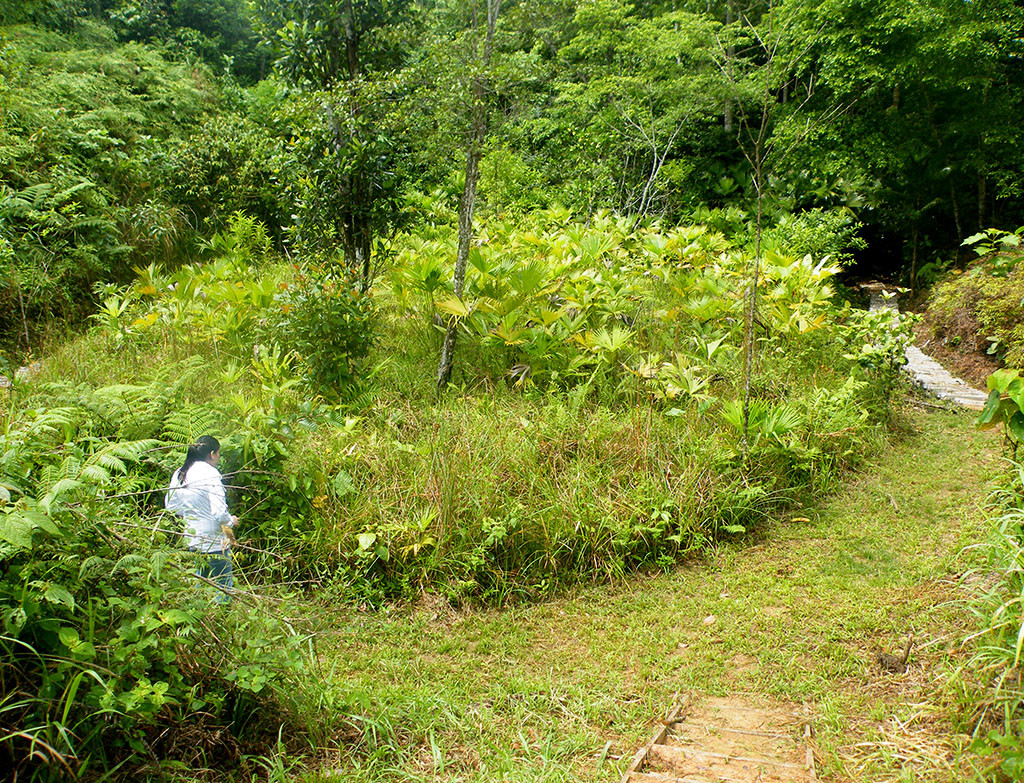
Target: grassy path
{"type": "Point", "coordinates": [537, 693]}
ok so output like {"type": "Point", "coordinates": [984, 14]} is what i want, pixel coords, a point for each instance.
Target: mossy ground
{"type": "Point", "coordinates": [537, 692]}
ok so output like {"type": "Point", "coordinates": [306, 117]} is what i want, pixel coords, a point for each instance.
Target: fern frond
{"type": "Point", "coordinates": [54, 420]}
{"type": "Point", "coordinates": [129, 561]}
{"type": "Point", "coordinates": [62, 487]}
{"type": "Point", "coordinates": [67, 193]}
{"type": "Point", "coordinates": [99, 474]}
{"type": "Point", "coordinates": [36, 194]}
{"type": "Point", "coordinates": [89, 222]}
{"type": "Point", "coordinates": [113, 458]}
{"type": "Point", "coordinates": [185, 425]}
{"type": "Point", "coordinates": [51, 475]}
{"type": "Point", "coordinates": [94, 565]}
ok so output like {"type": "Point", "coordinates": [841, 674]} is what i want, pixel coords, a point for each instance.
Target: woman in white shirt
{"type": "Point", "coordinates": [197, 495]}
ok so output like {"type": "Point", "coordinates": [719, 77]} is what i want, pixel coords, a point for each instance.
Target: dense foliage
{"type": "Point", "coordinates": [603, 435]}
{"type": "Point", "coordinates": [248, 210]}
{"type": "Point", "coordinates": [901, 121]}
{"type": "Point", "coordinates": [978, 309]}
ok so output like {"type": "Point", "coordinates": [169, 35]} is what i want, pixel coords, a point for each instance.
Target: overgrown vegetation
{"type": "Point", "coordinates": [999, 604]}
{"type": "Point", "coordinates": [1000, 615]}
{"type": "Point", "coordinates": [597, 431]}
{"type": "Point", "coordinates": [979, 309]}
{"type": "Point", "coordinates": [266, 253]}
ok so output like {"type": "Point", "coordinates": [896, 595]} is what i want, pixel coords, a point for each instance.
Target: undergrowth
{"type": "Point", "coordinates": [979, 311]}
{"type": "Point", "coordinates": [997, 714]}
{"type": "Point", "coordinates": [594, 430]}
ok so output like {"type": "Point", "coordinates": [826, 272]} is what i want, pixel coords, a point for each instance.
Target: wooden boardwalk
{"type": "Point", "coordinates": [728, 740]}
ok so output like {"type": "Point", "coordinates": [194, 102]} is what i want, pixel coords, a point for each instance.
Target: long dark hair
{"type": "Point", "coordinates": [199, 451]}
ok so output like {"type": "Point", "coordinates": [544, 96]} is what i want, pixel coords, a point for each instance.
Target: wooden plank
{"type": "Point", "coordinates": [708, 728]}
{"type": "Point", "coordinates": [809, 755]}
{"type": "Point", "coordinates": [674, 753]}
{"type": "Point", "coordinates": [660, 777]}
{"type": "Point", "coordinates": [659, 736]}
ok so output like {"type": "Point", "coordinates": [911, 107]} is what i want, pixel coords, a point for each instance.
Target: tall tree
{"type": "Point", "coordinates": [338, 51]}
{"type": "Point", "coordinates": [479, 115]}
{"type": "Point", "coordinates": [772, 52]}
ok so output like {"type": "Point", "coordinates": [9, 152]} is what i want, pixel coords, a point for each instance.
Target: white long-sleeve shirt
{"type": "Point", "coordinates": [201, 502]}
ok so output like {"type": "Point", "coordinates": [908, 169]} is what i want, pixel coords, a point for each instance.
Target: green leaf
{"type": "Point", "coordinates": [69, 637]}
{"type": "Point", "coordinates": [177, 617]}
{"type": "Point", "coordinates": [454, 306]}
{"type": "Point", "coordinates": [1015, 391]}
{"type": "Point", "coordinates": [57, 595]}
{"type": "Point", "coordinates": [41, 521]}
{"type": "Point", "coordinates": [343, 484]}
{"type": "Point", "coordinates": [1016, 426]}
{"type": "Point", "coordinates": [993, 412]}
{"type": "Point", "coordinates": [734, 529]}
{"type": "Point", "coordinates": [16, 530]}
{"type": "Point", "coordinates": [1001, 379]}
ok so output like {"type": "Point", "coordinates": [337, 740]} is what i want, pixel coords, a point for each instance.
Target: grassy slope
{"type": "Point", "coordinates": [535, 693]}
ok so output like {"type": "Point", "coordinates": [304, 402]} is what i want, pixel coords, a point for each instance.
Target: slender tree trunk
{"type": "Point", "coordinates": [956, 211]}
{"type": "Point", "coordinates": [466, 206]}
{"type": "Point", "coordinates": [24, 314]}
{"type": "Point", "coordinates": [982, 194]}
{"type": "Point", "coordinates": [477, 136]}
{"type": "Point", "coordinates": [351, 41]}
{"type": "Point", "coordinates": [750, 319]}
{"type": "Point", "coordinates": [730, 53]}
{"type": "Point", "coordinates": [913, 263]}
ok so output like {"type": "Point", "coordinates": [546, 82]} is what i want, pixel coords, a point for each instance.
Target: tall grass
{"type": "Point", "coordinates": [994, 670]}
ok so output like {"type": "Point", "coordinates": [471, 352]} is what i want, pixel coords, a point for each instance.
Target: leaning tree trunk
{"type": "Point", "coordinates": [477, 136]}
{"type": "Point", "coordinates": [466, 204]}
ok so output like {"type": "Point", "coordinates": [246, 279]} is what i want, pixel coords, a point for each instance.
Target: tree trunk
{"type": "Point", "coordinates": [466, 205]}
{"type": "Point", "coordinates": [750, 319]}
{"type": "Point", "coordinates": [956, 211]}
{"type": "Point", "coordinates": [477, 136]}
{"type": "Point", "coordinates": [351, 41]}
{"type": "Point", "coordinates": [913, 264]}
{"type": "Point", "coordinates": [730, 53]}
{"type": "Point", "coordinates": [982, 193]}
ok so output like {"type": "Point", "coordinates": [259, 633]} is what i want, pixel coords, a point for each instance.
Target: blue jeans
{"type": "Point", "coordinates": [217, 567]}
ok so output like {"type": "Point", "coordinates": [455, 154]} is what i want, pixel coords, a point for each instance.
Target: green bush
{"type": "Point", "coordinates": [328, 321]}
{"type": "Point", "coordinates": [819, 232]}
{"type": "Point", "coordinates": [230, 164]}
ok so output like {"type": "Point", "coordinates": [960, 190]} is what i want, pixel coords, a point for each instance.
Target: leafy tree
{"type": "Point", "coordinates": [935, 100]}
{"type": "Point", "coordinates": [219, 31]}
{"type": "Point", "coordinates": [334, 50]}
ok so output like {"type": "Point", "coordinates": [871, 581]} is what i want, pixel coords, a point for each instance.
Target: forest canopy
{"type": "Point", "coordinates": [132, 130]}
